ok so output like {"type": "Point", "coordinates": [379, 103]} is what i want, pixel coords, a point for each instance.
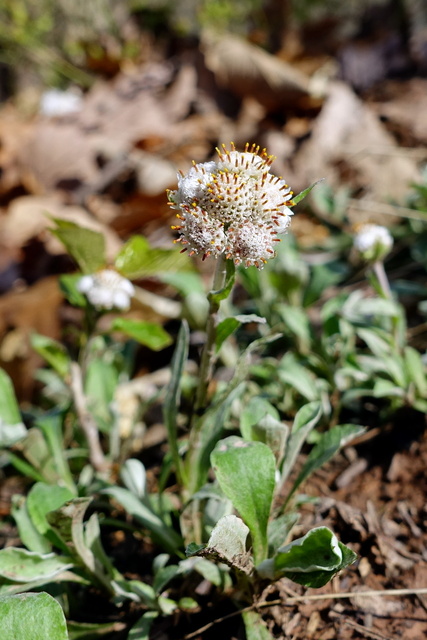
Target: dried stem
{"type": "Point", "coordinates": [87, 422]}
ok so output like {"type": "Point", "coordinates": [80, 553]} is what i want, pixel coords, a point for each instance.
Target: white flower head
{"type": "Point", "coordinates": [107, 290]}
{"type": "Point", "coordinates": [372, 241]}
{"type": "Point", "coordinates": [233, 206]}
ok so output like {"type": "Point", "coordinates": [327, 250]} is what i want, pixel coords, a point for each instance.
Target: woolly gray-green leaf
{"type": "Point", "coordinates": [246, 474]}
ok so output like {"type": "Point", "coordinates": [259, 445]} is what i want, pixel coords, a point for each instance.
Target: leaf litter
{"type": "Point", "coordinates": [119, 153]}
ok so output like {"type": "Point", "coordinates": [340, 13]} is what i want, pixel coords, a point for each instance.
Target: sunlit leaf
{"type": "Point", "coordinates": [303, 194]}
{"type": "Point", "coordinates": [137, 259]}
{"type": "Point", "coordinates": [53, 352]}
{"type": "Point", "coordinates": [246, 473]}
{"type": "Point", "coordinates": [149, 334]}
{"type": "Point", "coordinates": [86, 246]}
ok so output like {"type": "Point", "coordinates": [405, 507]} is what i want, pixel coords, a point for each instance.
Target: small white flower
{"type": "Point", "coordinates": [107, 289]}
{"type": "Point", "coordinates": [373, 241]}
{"type": "Point", "coordinates": [233, 207]}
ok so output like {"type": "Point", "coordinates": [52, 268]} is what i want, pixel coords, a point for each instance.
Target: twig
{"type": "Point", "coordinates": [350, 594]}
{"type": "Point", "coordinates": [408, 152]}
{"type": "Point", "coordinates": [87, 423]}
{"type": "Point", "coordinates": [317, 596]}
{"type": "Point", "coordinates": [368, 633]}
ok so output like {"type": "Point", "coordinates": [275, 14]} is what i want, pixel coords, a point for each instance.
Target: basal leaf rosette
{"type": "Point", "coordinates": [233, 207]}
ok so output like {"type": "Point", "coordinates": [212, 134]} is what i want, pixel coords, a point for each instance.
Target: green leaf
{"type": "Point", "coordinates": [188, 604]}
{"type": "Point", "coordinates": [279, 529]}
{"type": "Point", "coordinates": [32, 616]}
{"type": "Point", "coordinates": [20, 565]}
{"type": "Point", "coordinates": [101, 380]}
{"type": "Point", "coordinates": [255, 627]}
{"type": "Point", "coordinates": [30, 537]}
{"type": "Point", "coordinates": [53, 352]}
{"type": "Point", "coordinates": [378, 341]}
{"type": "Point", "coordinates": [416, 370]}
{"type": "Point", "coordinates": [186, 282]}
{"type": "Point", "coordinates": [386, 389]}
{"type": "Point", "coordinates": [246, 473]}
{"type": "Point", "coordinates": [149, 334]}
{"type": "Point", "coordinates": [273, 433]}
{"type": "Point", "coordinates": [68, 285]}
{"type": "Point", "coordinates": [297, 322]}
{"type": "Point", "coordinates": [12, 430]}
{"type": "Point", "coordinates": [213, 426]}
{"type": "Point", "coordinates": [358, 309]}
{"type": "Point", "coordinates": [166, 536]}
{"type": "Point", "coordinates": [311, 560]}
{"type": "Point", "coordinates": [51, 427]}
{"type": "Point", "coordinates": [225, 328]}
{"type": "Point", "coordinates": [43, 498]}
{"type": "Point", "coordinates": [137, 259]}
{"type": "Point", "coordinates": [212, 572]}
{"type": "Point", "coordinates": [305, 420]}
{"type": "Point", "coordinates": [173, 394]}
{"type": "Point", "coordinates": [10, 434]}
{"type": "Point", "coordinates": [304, 194]}
{"type": "Point", "coordinates": [141, 629]}
{"type": "Point", "coordinates": [215, 297]}
{"type": "Point", "coordinates": [144, 592]}
{"type": "Point", "coordinates": [193, 549]}
{"type": "Point", "coordinates": [326, 447]}
{"type": "Point", "coordinates": [164, 576]}
{"type": "Point", "coordinates": [134, 476]}
{"type": "Point", "coordinates": [254, 411]}
{"type": "Point", "coordinates": [86, 246]}
{"type": "Point", "coordinates": [297, 377]}
{"type": "Point", "coordinates": [82, 541]}
{"type": "Point", "coordinates": [89, 630]}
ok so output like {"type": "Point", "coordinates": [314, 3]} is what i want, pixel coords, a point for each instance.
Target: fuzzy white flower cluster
{"type": "Point", "coordinates": [233, 206]}
{"type": "Point", "coordinates": [373, 241]}
{"type": "Point", "coordinates": [107, 289]}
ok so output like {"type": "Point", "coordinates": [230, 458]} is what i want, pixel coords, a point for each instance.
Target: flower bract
{"type": "Point", "coordinates": [232, 206]}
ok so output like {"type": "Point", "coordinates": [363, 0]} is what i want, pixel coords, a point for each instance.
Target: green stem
{"type": "Point", "coordinates": [381, 276]}
{"type": "Point", "coordinates": [205, 376]}
{"type": "Point", "coordinates": [385, 291]}
{"type": "Point", "coordinates": [208, 354]}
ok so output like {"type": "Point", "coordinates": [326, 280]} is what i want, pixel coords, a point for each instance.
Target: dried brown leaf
{"type": "Point", "coordinates": [248, 70]}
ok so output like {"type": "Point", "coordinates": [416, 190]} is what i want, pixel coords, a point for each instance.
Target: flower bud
{"type": "Point", "coordinates": [107, 290]}
{"type": "Point", "coordinates": [372, 242]}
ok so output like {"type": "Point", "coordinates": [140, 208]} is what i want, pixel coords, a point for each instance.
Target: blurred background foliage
{"type": "Point", "coordinates": [58, 41]}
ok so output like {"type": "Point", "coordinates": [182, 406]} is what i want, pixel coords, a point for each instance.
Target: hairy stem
{"type": "Point", "coordinates": [380, 274]}
{"type": "Point", "coordinates": [205, 376]}
{"type": "Point", "coordinates": [208, 354]}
